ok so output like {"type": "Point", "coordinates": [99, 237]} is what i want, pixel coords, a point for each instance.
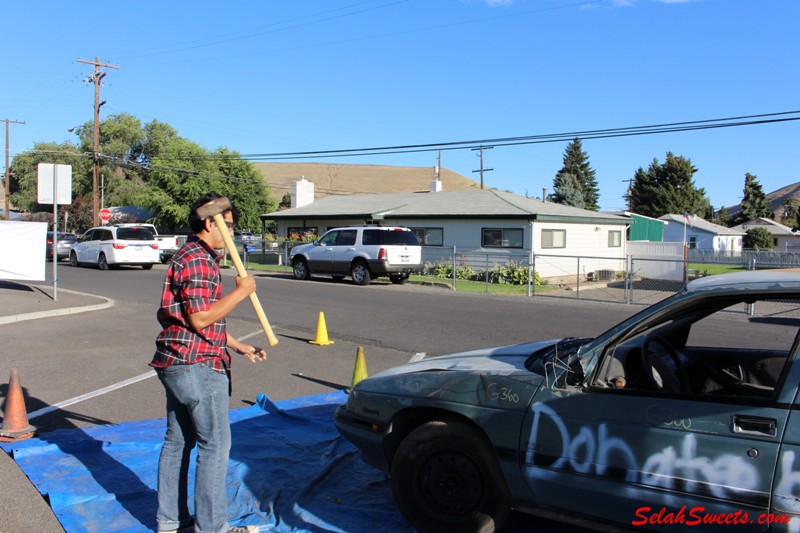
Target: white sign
{"type": "Point", "coordinates": [54, 180]}
{"type": "Point", "coordinates": [22, 250]}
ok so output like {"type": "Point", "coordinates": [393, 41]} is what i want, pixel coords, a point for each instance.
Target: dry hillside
{"type": "Point", "coordinates": [776, 200]}
{"type": "Point", "coordinates": [335, 178]}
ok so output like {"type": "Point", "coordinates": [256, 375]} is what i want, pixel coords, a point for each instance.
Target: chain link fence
{"type": "Point", "coordinates": [634, 279]}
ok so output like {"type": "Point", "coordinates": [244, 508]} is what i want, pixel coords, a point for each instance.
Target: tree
{"type": "Point", "coordinates": [286, 201]}
{"type": "Point", "coordinates": [576, 162]}
{"type": "Point", "coordinates": [722, 218]}
{"type": "Point", "coordinates": [668, 188]}
{"type": "Point", "coordinates": [754, 202]}
{"type": "Point", "coordinates": [791, 208]}
{"type": "Point", "coordinates": [567, 190]}
{"type": "Point", "coordinates": [149, 166]}
{"type": "Point", "coordinates": [758, 239]}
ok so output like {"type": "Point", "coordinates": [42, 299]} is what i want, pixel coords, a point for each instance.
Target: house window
{"type": "Point", "coordinates": [501, 238]}
{"type": "Point", "coordinates": [429, 236]}
{"type": "Point", "coordinates": [297, 233]}
{"type": "Point", "coordinates": [554, 238]}
{"type": "Point", "coordinates": [693, 243]}
{"type": "Point", "coordinates": [614, 239]}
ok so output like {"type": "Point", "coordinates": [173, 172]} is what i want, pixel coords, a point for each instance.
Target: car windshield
{"type": "Point", "coordinates": [134, 234]}
{"type": "Point", "coordinates": [555, 354]}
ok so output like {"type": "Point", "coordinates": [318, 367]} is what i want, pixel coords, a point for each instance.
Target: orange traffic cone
{"type": "Point", "coordinates": [322, 332]}
{"type": "Point", "coordinates": [15, 418]}
{"type": "Point", "coordinates": [360, 370]}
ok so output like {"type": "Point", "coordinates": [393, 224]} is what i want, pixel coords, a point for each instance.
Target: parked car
{"type": "Point", "coordinates": [363, 252]}
{"type": "Point", "coordinates": [111, 246]}
{"type": "Point", "coordinates": [168, 245]}
{"type": "Point", "coordinates": [244, 236]}
{"type": "Point", "coordinates": [64, 244]}
{"type": "Point", "coordinates": [686, 414]}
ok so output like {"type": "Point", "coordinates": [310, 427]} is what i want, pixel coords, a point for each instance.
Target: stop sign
{"type": "Point", "coordinates": [105, 215]}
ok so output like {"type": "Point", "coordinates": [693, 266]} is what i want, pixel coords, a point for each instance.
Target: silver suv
{"type": "Point", "coordinates": [362, 252]}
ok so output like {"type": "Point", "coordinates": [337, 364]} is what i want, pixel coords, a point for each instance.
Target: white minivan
{"type": "Point", "coordinates": [110, 246]}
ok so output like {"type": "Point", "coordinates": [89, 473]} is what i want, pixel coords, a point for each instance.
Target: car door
{"type": "Point", "coordinates": [344, 250]}
{"type": "Point", "coordinates": [658, 458]}
{"type": "Point", "coordinates": [85, 246]}
{"type": "Point", "coordinates": [320, 256]}
{"type": "Point", "coordinates": [103, 244]}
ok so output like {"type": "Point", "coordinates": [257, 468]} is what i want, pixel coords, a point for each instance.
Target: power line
{"type": "Point", "coordinates": [674, 127]}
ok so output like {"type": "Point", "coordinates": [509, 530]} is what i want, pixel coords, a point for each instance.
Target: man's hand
{"type": "Point", "coordinates": [246, 284]}
{"type": "Point", "coordinates": [254, 353]}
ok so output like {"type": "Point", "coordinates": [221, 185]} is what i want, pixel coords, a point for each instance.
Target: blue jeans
{"type": "Point", "coordinates": [197, 413]}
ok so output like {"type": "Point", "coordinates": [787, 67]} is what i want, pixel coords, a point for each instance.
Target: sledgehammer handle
{"type": "Point", "coordinates": [223, 230]}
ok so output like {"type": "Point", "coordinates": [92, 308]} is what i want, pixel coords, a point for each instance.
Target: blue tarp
{"type": "Point", "coordinates": [289, 471]}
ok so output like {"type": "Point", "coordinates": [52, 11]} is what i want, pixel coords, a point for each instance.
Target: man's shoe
{"type": "Point", "coordinates": [185, 527]}
{"type": "Point", "coordinates": [243, 529]}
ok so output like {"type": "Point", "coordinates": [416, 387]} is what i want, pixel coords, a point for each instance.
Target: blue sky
{"type": "Point", "coordinates": [312, 75]}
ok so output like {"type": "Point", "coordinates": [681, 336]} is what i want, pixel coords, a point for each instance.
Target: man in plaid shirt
{"type": "Point", "coordinates": [193, 364]}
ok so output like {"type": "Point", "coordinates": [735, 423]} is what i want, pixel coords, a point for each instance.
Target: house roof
{"type": "Point", "coordinates": [774, 228]}
{"type": "Point", "coordinates": [480, 203]}
{"type": "Point", "coordinates": [699, 224]}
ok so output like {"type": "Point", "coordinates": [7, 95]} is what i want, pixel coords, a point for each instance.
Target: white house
{"type": "Point", "coordinates": [700, 234]}
{"type": "Point", "coordinates": [501, 225]}
{"type": "Point", "coordinates": [785, 239]}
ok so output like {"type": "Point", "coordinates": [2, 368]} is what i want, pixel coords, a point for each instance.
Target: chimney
{"type": "Point", "coordinates": [435, 186]}
{"type": "Point", "coordinates": [302, 192]}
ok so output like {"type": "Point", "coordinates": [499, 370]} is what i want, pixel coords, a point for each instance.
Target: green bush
{"type": "Point", "coordinates": [509, 274]}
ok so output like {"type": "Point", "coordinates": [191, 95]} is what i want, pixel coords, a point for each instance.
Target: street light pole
{"type": "Point", "coordinates": [7, 175]}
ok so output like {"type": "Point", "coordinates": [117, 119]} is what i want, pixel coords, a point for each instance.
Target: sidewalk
{"type": "Point", "coordinates": [23, 508]}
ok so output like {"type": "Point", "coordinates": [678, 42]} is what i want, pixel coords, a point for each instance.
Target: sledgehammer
{"type": "Point", "coordinates": [214, 209]}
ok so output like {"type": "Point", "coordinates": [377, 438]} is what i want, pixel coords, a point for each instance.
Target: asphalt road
{"type": "Point", "coordinates": [93, 366]}
{"type": "Point", "coordinates": [62, 359]}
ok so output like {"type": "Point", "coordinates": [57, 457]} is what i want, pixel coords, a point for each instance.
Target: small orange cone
{"type": "Point", "coordinates": [15, 418]}
{"type": "Point", "coordinates": [360, 370]}
{"type": "Point", "coordinates": [322, 332]}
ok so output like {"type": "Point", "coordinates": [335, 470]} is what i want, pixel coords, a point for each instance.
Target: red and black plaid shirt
{"type": "Point", "coordinates": [192, 284]}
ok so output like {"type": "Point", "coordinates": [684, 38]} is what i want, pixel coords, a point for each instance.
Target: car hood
{"type": "Point", "coordinates": [498, 360]}
{"type": "Point", "coordinates": [300, 248]}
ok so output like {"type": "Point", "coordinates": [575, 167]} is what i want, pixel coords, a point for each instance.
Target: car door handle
{"type": "Point", "coordinates": [755, 425]}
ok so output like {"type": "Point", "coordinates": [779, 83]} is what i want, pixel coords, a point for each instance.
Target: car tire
{"type": "Point", "coordinates": [102, 262]}
{"type": "Point", "coordinates": [360, 273]}
{"type": "Point", "coordinates": [398, 279]}
{"type": "Point", "coordinates": [300, 269]}
{"type": "Point", "coordinates": [147, 266]}
{"type": "Point", "coordinates": [73, 259]}
{"type": "Point", "coordinates": [445, 478]}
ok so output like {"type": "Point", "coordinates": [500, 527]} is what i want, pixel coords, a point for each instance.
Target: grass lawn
{"type": "Point", "coordinates": [712, 269]}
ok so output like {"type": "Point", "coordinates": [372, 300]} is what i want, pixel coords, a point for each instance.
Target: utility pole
{"type": "Point", "coordinates": [630, 186]}
{"type": "Point", "coordinates": [96, 78]}
{"type": "Point", "coordinates": [7, 175]}
{"type": "Point", "coordinates": [482, 170]}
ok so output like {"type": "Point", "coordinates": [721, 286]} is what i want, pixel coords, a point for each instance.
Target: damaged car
{"type": "Point", "coordinates": [685, 414]}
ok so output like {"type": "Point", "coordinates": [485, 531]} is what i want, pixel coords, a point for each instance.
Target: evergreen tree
{"type": "Point", "coordinates": [576, 162]}
{"type": "Point", "coordinates": [791, 208]}
{"type": "Point", "coordinates": [722, 218]}
{"type": "Point", "coordinates": [754, 202]}
{"type": "Point", "coordinates": [567, 190]}
{"type": "Point", "coordinates": [286, 201]}
{"type": "Point", "coordinates": [668, 188]}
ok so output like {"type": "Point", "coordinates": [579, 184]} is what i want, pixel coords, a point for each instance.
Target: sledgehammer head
{"type": "Point", "coordinates": [214, 207]}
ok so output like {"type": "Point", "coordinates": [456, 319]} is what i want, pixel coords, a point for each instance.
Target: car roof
{"type": "Point", "coordinates": [778, 280]}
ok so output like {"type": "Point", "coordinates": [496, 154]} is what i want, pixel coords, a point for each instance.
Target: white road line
{"type": "Point", "coordinates": [419, 356]}
{"type": "Point", "coordinates": [104, 390]}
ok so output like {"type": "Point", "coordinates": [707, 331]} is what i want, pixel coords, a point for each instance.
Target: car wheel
{"type": "Point", "coordinates": [102, 262]}
{"type": "Point", "coordinates": [300, 269]}
{"type": "Point", "coordinates": [360, 273]}
{"type": "Point", "coordinates": [398, 279]}
{"type": "Point", "coordinates": [147, 266]}
{"type": "Point", "coordinates": [73, 259]}
{"type": "Point", "coordinates": [445, 478]}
